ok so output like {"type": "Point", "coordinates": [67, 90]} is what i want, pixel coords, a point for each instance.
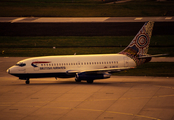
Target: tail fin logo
{"type": "Point", "coordinates": [142, 41]}
{"type": "Point", "coordinates": [140, 44]}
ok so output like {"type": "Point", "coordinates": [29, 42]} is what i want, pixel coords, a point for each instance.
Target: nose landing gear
{"type": "Point", "coordinates": [27, 81]}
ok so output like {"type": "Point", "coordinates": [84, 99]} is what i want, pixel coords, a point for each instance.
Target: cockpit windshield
{"type": "Point", "coordinates": [21, 64]}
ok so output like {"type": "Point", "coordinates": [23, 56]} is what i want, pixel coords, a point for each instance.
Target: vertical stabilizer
{"type": "Point", "coordinates": [140, 44]}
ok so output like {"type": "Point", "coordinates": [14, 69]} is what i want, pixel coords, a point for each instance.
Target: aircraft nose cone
{"type": "Point", "coordinates": [8, 71]}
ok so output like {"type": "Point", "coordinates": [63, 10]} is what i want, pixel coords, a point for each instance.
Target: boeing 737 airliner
{"type": "Point", "coordinates": [87, 67]}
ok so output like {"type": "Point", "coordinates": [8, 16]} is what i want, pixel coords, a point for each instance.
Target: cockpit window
{"type": "Point", "coordinates": [21, 64]}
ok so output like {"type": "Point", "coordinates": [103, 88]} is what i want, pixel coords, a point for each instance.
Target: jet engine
{"type": "Point", "coordinates": [90, 77]}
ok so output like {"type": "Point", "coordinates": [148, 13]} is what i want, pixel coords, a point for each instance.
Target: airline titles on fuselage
{"type": "Point", "coordinates": [53, 66]}
{"type": "Point", "coordinates": [50, 68]}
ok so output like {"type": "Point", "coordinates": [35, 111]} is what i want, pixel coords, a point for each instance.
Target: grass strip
{"type": "Point", "coordinates": [80, 41]}
{"type": "Point", "coordinates": [33, 52]}
{"type": "Point", "coordinates": [68, 45]}
{"type": "Point", "coordinates": [84, 8]}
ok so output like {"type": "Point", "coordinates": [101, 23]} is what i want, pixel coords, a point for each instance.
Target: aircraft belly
{"type": "Point", "coordinates": [43, 75]}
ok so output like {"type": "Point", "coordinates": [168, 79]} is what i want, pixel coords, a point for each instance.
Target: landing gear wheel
{"type": "Point", "coordinates": [90, 81]}
{"type": "Point", "coordinates": [27, 81]}
{"type": "Point", "coordinates": [76, 79]}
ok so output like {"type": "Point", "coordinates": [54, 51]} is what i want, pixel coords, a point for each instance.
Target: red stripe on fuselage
{"type": "Point", "coordinates": [39, 62]}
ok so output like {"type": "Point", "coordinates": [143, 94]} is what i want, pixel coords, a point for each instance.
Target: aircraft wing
{"type": "Point", "coordinates": [98, 71]}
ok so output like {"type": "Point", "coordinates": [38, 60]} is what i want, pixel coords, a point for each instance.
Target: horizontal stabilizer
{"type": "Point", "coordinates": [148, 56]}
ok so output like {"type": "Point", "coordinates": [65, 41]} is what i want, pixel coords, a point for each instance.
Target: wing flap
{"type": "Point", "coordinates": [99, 70]}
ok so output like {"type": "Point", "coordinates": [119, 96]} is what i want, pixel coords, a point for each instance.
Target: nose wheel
{"type": "Point", "coordinates": [27, 81]}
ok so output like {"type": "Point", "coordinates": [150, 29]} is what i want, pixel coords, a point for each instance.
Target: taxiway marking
{"type": "Point", "coordinates": [138, 18]}
{"type": "Point", "coordinates": [17, 19]}
{"type": "Point", "coordinates": [168, 18]}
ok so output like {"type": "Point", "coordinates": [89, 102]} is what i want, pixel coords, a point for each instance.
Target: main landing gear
{"type": "Point", "coordinates": [27, 81]}
{"type": "Point", "coordinates": [90, 81]}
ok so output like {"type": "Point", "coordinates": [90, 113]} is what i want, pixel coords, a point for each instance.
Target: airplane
{"type": "Point", "coordinates": [87, 67]}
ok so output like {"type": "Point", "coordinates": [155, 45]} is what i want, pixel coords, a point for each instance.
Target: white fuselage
{"type": "Point", "coordinates": [63, 64]}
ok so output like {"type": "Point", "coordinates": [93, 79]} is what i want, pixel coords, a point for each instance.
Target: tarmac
{"type": "Point", "coordinates": [83, 19]}
{"type": "Point", "coordinates": [120, 98]}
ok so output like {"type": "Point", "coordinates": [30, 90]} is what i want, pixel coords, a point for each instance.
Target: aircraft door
{"type": "Point", "coordinates": [78, 64]}
{"type": "Point", "coordinates": [126, 61]}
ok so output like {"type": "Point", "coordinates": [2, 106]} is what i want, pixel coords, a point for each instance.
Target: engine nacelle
{"type": "Point", "coordinates": [86, 76]}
